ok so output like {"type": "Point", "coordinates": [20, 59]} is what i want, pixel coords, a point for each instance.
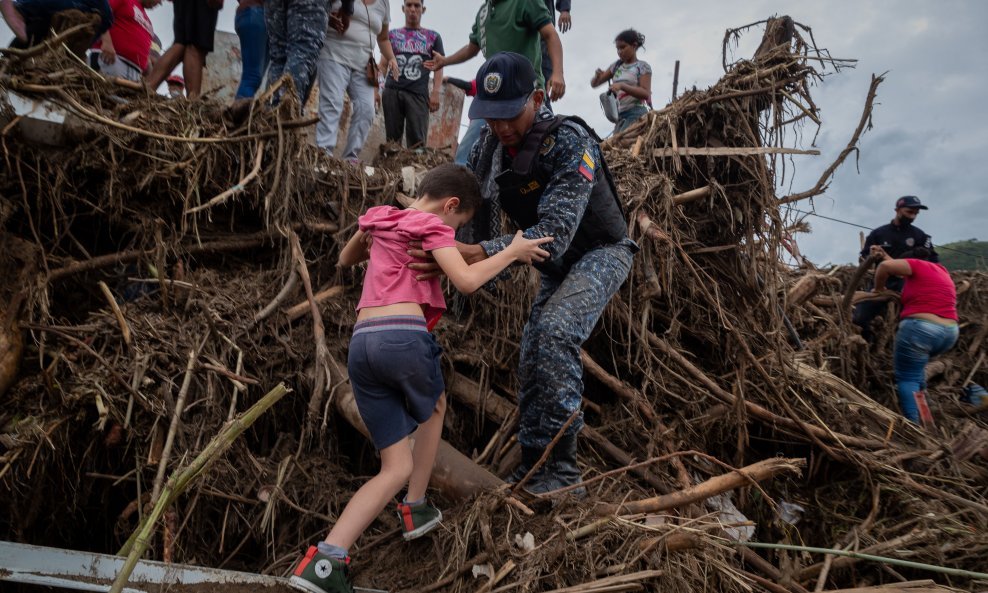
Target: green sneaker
{"type": "Point", "coordinates": [418, 520]}
{"type": "Point", "coordinates": [319, 573]}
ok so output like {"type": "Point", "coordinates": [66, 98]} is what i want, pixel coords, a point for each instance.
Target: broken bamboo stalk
{"type": "Point", "coordinates": [756, 472]}
{"type": "Point", "coordinates": [861, 556]}
{"type": "Point", "coordinates": [180, 480]}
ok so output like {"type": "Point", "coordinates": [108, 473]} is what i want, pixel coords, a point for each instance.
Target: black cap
{"type": "Point", "coordinates": [504, 84]}
{"type": "Point", "coordinates": [909, 202]}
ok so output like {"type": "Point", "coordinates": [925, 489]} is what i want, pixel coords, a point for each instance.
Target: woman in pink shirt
{"type": "Point", "coordinates": [928, 325]}
{"type": "Point", "coordinates": [394, 359]}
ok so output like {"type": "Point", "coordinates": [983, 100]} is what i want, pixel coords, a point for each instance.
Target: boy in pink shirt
{"type": "Point", "coordinates": [394, 359]}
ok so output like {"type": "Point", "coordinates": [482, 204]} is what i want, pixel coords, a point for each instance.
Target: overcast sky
{"type": "Point", "coordinates": [929, 137]}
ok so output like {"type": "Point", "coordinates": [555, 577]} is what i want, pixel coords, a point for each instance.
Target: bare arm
{"type": "Point", "coordinates": [463, 54]}
{"type": "Point", "coordinates": [14, 19]}
{"type": "Point", "coordinates": [356, 250]}
{"type": "Point", "coordinates": [437, 86]}
{"type": "Point", "coordinates": [555, 86]}
{"type": "Point", "coordinates": [643, 91]}
{"type": "Point", "coordinates": [891, 267]}
{"type": "Point", "coordinates": [467, 278]}
{"type": "Point", "coordinates": [600, 77]}
{"type": "Point", "coordinates": [387, 53]}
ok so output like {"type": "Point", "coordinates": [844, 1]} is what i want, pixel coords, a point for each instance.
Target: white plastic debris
{"type": "Point", "coordinates": [525, 542]}
{"type": "Point", "coordinates": [483, 570]}
{"type": "Point", "coordinates": [736, 525]}
{"type": "Point", "coordinates": [789, 512]}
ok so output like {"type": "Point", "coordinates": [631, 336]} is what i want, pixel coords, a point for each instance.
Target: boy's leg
{"type": "Point", "coordinates": [424, 452]}
{"type": "Point", "coordinates": [373, 496]}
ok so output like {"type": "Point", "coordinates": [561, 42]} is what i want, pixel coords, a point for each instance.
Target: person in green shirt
{"type": "Point", "coordinates": [516, 26]}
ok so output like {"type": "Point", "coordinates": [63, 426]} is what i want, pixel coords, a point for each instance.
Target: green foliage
{"type": "Point", "coordinates": [964, 255]}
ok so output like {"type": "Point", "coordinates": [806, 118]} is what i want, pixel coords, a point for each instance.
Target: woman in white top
{"type": "Point", "coordinates": [343, 69]}
{"type": "Point", "coordinates": [631, 79]}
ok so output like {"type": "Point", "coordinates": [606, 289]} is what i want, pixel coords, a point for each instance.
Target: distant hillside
{"type": "Point", "coordinates": [964, 255]}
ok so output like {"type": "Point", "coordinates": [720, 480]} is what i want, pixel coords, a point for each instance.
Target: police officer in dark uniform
{"type": "Point", "coordinates": [891, 241]}
{"type": "Point", "coordinates": [547, 174]}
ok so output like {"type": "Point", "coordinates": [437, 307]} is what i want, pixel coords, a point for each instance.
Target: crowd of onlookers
{"type": "Point", "coordinates": [334, 42]}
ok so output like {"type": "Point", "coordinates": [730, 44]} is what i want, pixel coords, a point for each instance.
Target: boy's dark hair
{"type": "Point", "coordinates": [450, 180]}
{"type": "Point", "coordinates": [631, 37]}
{"type": "Point", "coordinates": [917, 253]}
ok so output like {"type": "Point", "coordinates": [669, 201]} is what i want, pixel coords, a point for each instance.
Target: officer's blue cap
{"type": "Point", "coordinates": [909, 202]}
{"type": "Point", "coordinates": [504, 84]}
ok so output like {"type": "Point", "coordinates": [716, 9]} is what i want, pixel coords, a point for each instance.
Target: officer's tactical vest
{"type": "Point", "coordinates": [521, 188]}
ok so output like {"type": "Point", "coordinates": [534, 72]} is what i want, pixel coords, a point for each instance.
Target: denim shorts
{"type": "Point", "coordinates": [395, 375]}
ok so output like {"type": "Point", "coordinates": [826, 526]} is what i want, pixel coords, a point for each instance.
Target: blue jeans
{"type": "Point", "coordinates": [628, 117]}
{"type": "Point", "coordinates": [915, 342]}
{"type": "Point", "coordinates": [249, 25]}
{"type": "Point", "coordinates": [469, 139]}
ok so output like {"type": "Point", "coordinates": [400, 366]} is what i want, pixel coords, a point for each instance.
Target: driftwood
{"type": "Point", "coordinates": [745, 476]}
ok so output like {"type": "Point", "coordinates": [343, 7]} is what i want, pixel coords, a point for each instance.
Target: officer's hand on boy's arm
{"type": "Point", "coordinates": [528, 251]}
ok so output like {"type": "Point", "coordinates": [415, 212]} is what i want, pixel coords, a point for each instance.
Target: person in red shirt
{"type": "Point", "coordinates": [124, 49]}
{"type": "Point", "coordinates": [928, 325]}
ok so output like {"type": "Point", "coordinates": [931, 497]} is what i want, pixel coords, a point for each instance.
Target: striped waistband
{"type": "Point", "coordinates": [390, 323]}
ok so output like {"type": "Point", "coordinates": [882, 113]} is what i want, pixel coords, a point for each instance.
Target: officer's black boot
{"type": "Point", "coordinates": [529, 457]}
{"type": "Point", "coordinates": [560, 470]}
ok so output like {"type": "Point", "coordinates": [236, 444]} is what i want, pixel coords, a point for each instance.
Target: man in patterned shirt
{"type": "Point", "coordinates": [547, 174]}
{"type": "Point", "coordinates": [407, 101]}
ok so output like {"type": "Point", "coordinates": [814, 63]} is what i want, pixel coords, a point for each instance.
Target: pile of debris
{"type": "Point", "coordinates": [175, 262]}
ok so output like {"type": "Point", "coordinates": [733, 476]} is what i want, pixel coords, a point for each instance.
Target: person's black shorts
{"type": "Point", "coordinates": [195, 23]}
{"type": "Point", "coordinates": [395, 375]}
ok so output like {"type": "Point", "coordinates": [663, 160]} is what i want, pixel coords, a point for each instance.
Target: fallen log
{"type": "Point", "coordinates": [454, 474]}
{"type": "Point", "coordinates": [756, 472]}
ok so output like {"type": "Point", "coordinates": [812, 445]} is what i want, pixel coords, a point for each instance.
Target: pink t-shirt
{"type": "Point", "coordinates": [388, 279]}
{"type": "Point", "coordinates": [929, 290]}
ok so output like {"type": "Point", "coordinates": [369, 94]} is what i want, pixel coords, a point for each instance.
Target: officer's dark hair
{"type": "Point", "coordinates": [449, 180]}
{"type": "Point", "coordinates": [918, 253]}
{"type": "Point", "coordinates": [631, 37]}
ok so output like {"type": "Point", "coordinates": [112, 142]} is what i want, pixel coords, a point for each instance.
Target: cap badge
{"type": "Point", "coordinates": [492, 83]}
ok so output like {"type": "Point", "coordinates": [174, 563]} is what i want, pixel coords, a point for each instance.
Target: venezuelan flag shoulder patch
{"type": "Point", "coordinates": [587, 166]}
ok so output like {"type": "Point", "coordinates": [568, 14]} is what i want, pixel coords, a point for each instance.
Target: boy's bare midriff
{"type": "Point", "coordinates": [388, 310]}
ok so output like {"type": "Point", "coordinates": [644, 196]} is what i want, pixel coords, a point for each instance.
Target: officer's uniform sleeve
{"type": "Point", "coordinates": [574, 160]}
{"type": "Point", "coordinates": [563, 5]}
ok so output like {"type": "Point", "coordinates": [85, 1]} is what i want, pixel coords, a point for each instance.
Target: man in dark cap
{"type": "Point", "coordinates": [547, 174]}
{"type": "Point", "coordinates": [890, 241]}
